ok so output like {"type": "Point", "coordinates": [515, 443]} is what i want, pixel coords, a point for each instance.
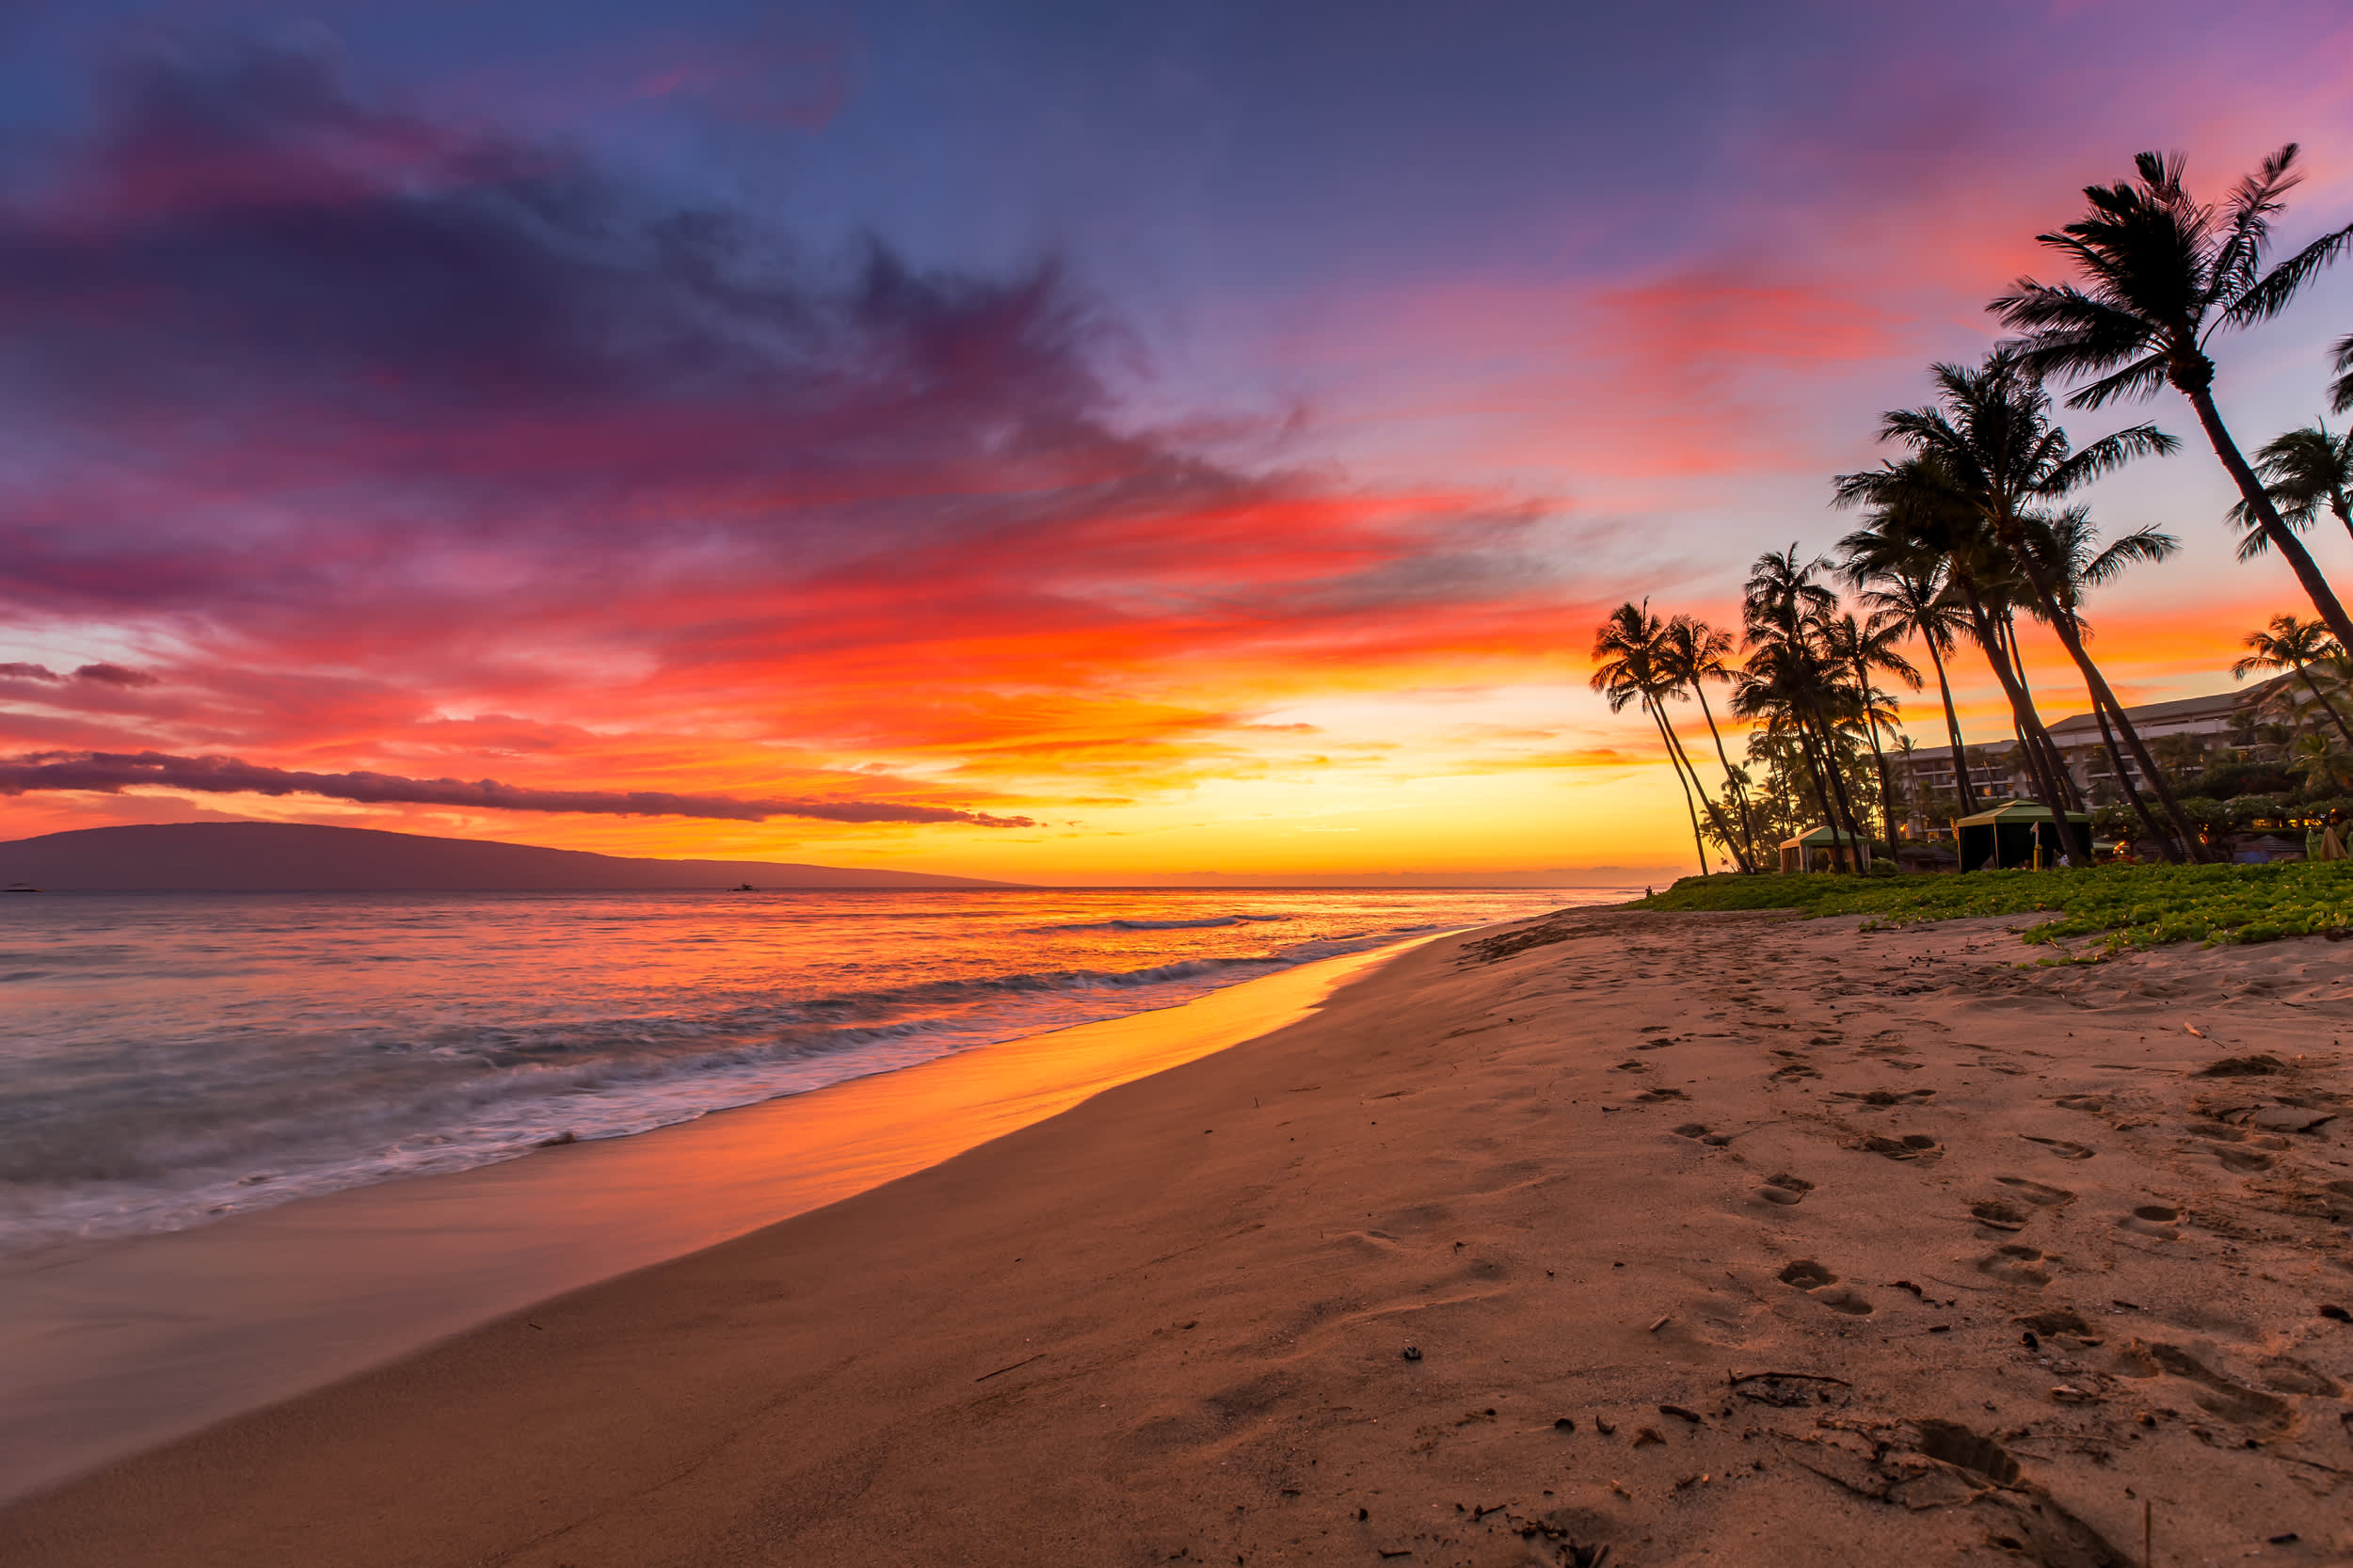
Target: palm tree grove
{"type": "Point", "coordinates": [1975, 524]}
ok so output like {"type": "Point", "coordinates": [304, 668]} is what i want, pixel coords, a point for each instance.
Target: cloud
{"type": "Point", "coordinates": [28, 672]}
{"type": "Point", "coordinates": [111, 772]}
{"type": "Point", "coordinates": [115, 675]}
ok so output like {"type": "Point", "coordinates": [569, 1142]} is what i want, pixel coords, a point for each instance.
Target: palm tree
{"type": "Point", "coordinates": [1997, 453]}
{"type": "Point", "coordinates": [1783, 609]}
{"type": "Point", "coordinates": [1693, 654]}
{"type": "Point", "coordinates": [2320, 765]}
{"type": "Point", "coordinates": [2163, 275]}
{"type": "Point", "coordinates": [1915, 516]}
{"type": "Point", "coordinates": [2305, 470]}
{"type": "Point", "coordinates": [2290, 644]}
{"type": "Point", "coordinates": [1628, 667]}
{"type": "Point", "coordinates": [1859, 651]}
{"type": "Point", "coordinates": [2341, 390]}
{"type": "Point", "coordinates": [2069, 546]}
{"type": "Point", "coordinates": [1902, 588]}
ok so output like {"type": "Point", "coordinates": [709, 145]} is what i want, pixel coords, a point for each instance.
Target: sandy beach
{"type": "Point", "coordinates": [1696, 1237]}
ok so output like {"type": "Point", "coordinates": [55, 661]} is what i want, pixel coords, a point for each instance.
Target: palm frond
{"type": "Point", "coordinates": [2261, 302]}
{"type": "Point", "coordinates": [2139, 379]}
{"type": "Point", "coordinates": [2341, 390]}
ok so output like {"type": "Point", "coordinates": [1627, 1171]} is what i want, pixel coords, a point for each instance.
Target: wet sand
{"type": "Point", "coordinates": [1712, 1238]}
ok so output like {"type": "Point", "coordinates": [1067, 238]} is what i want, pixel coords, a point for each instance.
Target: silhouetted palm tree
{"type": "Point", "coordinates": [1694, 653]}
{"type": "Point", "coordinates": [2303, 471]}
{"type": "Point", "coordinates": [1995, 450]}
{"type": "Point", "coordinates": [2341, 390]}
{"type": "Point", "coordinates": [1915, 516]}
{"type": "Point", "coordinates": [2290, 644]}
{"type": "Point", "coordinates": [1859, 651]}
{"type": "Point", "coordinates": [2069, 546]}
{"type": "Point", "coordinates": [2162, 275]}
{"type": "Point", "coordinates": [1628, 667]}
{"type": "Point", "coordinates": [1902, 589]}
{"type": "Point", "coordinates": [1782, 610]}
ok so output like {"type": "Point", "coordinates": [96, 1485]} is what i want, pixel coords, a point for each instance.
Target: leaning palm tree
{"type": "Point", "coordinates": [1694, 653]}
{"type": "Point", "coordinates": [1915, 516]}
{"type": "Point", "coordinates": [2303, 471]}
{"type": "Point", "coordinates": [1629, 668]}
{"type": "Point", "coordinates": [2162, 275]}
{"type": "Point", "coordinates": [2290, 644]}
{"type": "Point", "coordinates": [1995, 451]}
{"type": "Point", "coordinates": [2070, 550]}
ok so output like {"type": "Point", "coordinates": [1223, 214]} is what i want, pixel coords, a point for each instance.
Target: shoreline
{"type": "Point", "coordinates": [94, 1370]}
{"type": "Point", "coordinates": [1725, 1236]}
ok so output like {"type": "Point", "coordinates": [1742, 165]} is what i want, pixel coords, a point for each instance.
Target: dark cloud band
{"type": "Point", "coordinates": [111, 772]}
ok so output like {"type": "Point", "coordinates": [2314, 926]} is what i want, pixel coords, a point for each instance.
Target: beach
{"type": "Point", "coordinates": [1724, 1237]}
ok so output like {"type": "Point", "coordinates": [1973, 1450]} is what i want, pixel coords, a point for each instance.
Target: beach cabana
{"type": "Point", "coordinates": [1809, 850]}
{"type": "Point", "coordinates": [2010, 835]}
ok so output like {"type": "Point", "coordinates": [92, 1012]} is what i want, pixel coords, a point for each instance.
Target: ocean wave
{"type": "Point", "coordinates": [177, 1087]}
{"type": "Point", "coordinates": [1207, 924]}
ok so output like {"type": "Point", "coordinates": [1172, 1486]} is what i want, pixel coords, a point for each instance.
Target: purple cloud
{"type": "Point", "coordinates": [111, 772]}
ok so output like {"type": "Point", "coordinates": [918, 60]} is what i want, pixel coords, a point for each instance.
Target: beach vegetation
{"type": "Point", "coordinates": [2083, 914]}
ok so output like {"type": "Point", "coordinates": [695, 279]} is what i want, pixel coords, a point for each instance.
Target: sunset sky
{"type": "Point", "coordinates": [1058, 443]}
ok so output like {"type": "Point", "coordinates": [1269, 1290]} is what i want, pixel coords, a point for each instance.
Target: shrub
{"type": "Point", "coordinates": [2246, 810]}
{"type": "Point", "coordinates": [2228, 781]}
{"type": "Point", "coordinates": [2209, 814]}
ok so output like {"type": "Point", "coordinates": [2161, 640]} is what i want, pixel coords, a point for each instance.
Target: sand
{"type": "Point", "coordinates": [1331, 1295]}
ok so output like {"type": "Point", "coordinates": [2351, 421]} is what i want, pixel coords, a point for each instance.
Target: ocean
{"type": "Point", "coordinates": [170, 1058]}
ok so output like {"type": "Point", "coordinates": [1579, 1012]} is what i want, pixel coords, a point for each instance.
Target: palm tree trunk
{"type": "Point", "coordinates": [2021, 706]}
{"type": "Point", "coordinates": [1739, 795]}
{"type": "Point", "coordinates": [2037, 736]}
{"type": "Point", "coordinates": [1879, 760]}
{"type": "Point", "coordinates": [2070, 637]}
{"type": "Point", "coordinates": [1814, 771]}
{"type": "Point", "coordinates": [2322, 698]}
{"type": "Point", "coordinates": [1724, 829]}
{"type": "Point", "coordinates": [1853, 829]}
{"type": "Point", "coordinates": [2165, 842]}
{"type": "Point", "coordinates": [1952, 728]}
{"type": "Point", "coordinates": [1672, 760]}
{"type": "Point", "coordinates": [2266, 517]}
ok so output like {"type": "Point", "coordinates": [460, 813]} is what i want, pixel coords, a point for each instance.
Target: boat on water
{"type": "Point", "coordinates": [20, 887]}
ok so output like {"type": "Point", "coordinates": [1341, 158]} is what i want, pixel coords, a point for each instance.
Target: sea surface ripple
{"type": "Point", "coordinates": [168, 1059]}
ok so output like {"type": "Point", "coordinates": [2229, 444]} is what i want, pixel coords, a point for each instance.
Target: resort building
{"type": "Point", "coordinates": [2173, 732]}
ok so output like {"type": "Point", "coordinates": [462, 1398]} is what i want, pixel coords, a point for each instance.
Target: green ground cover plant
{"type": "Point", "coordinates": [2120, 907]}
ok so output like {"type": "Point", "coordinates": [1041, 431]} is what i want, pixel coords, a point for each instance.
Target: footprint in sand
{"type": "Point", "coordinates": [2153, 1219]}
{"type": "Point", "coordinates": [2243, 1160]}
{"type": "Point", "coordinates": [1819, 1282]}
{"type": "Point", "coordinates": [1999, 1215]}
{"type": "Point", "coordinates": [2017, 1265]}
{"type": "Point", "coordinates": [1912, 1146]}
{"type": "Point", "coordinates": [2037, 1192]}
{"type": "Point", "coordinates": [2061, 1146]}
{"type": "Point", "coordinates": [2093, 1103]}
{"type": "Point", "coordinates": [1784, 1190]}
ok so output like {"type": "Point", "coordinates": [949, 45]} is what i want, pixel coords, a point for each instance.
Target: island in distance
{"type": "Point", "coordinates": [296, 857]}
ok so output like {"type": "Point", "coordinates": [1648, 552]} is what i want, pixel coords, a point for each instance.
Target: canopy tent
{"type": "Point", "coordinates": [1820, 845]}
{"type": "Point", "coordinates": [2016, 834]}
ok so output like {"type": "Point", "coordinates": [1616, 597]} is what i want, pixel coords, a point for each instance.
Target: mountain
{"type": "Point", "coordinates": [288, 857]}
